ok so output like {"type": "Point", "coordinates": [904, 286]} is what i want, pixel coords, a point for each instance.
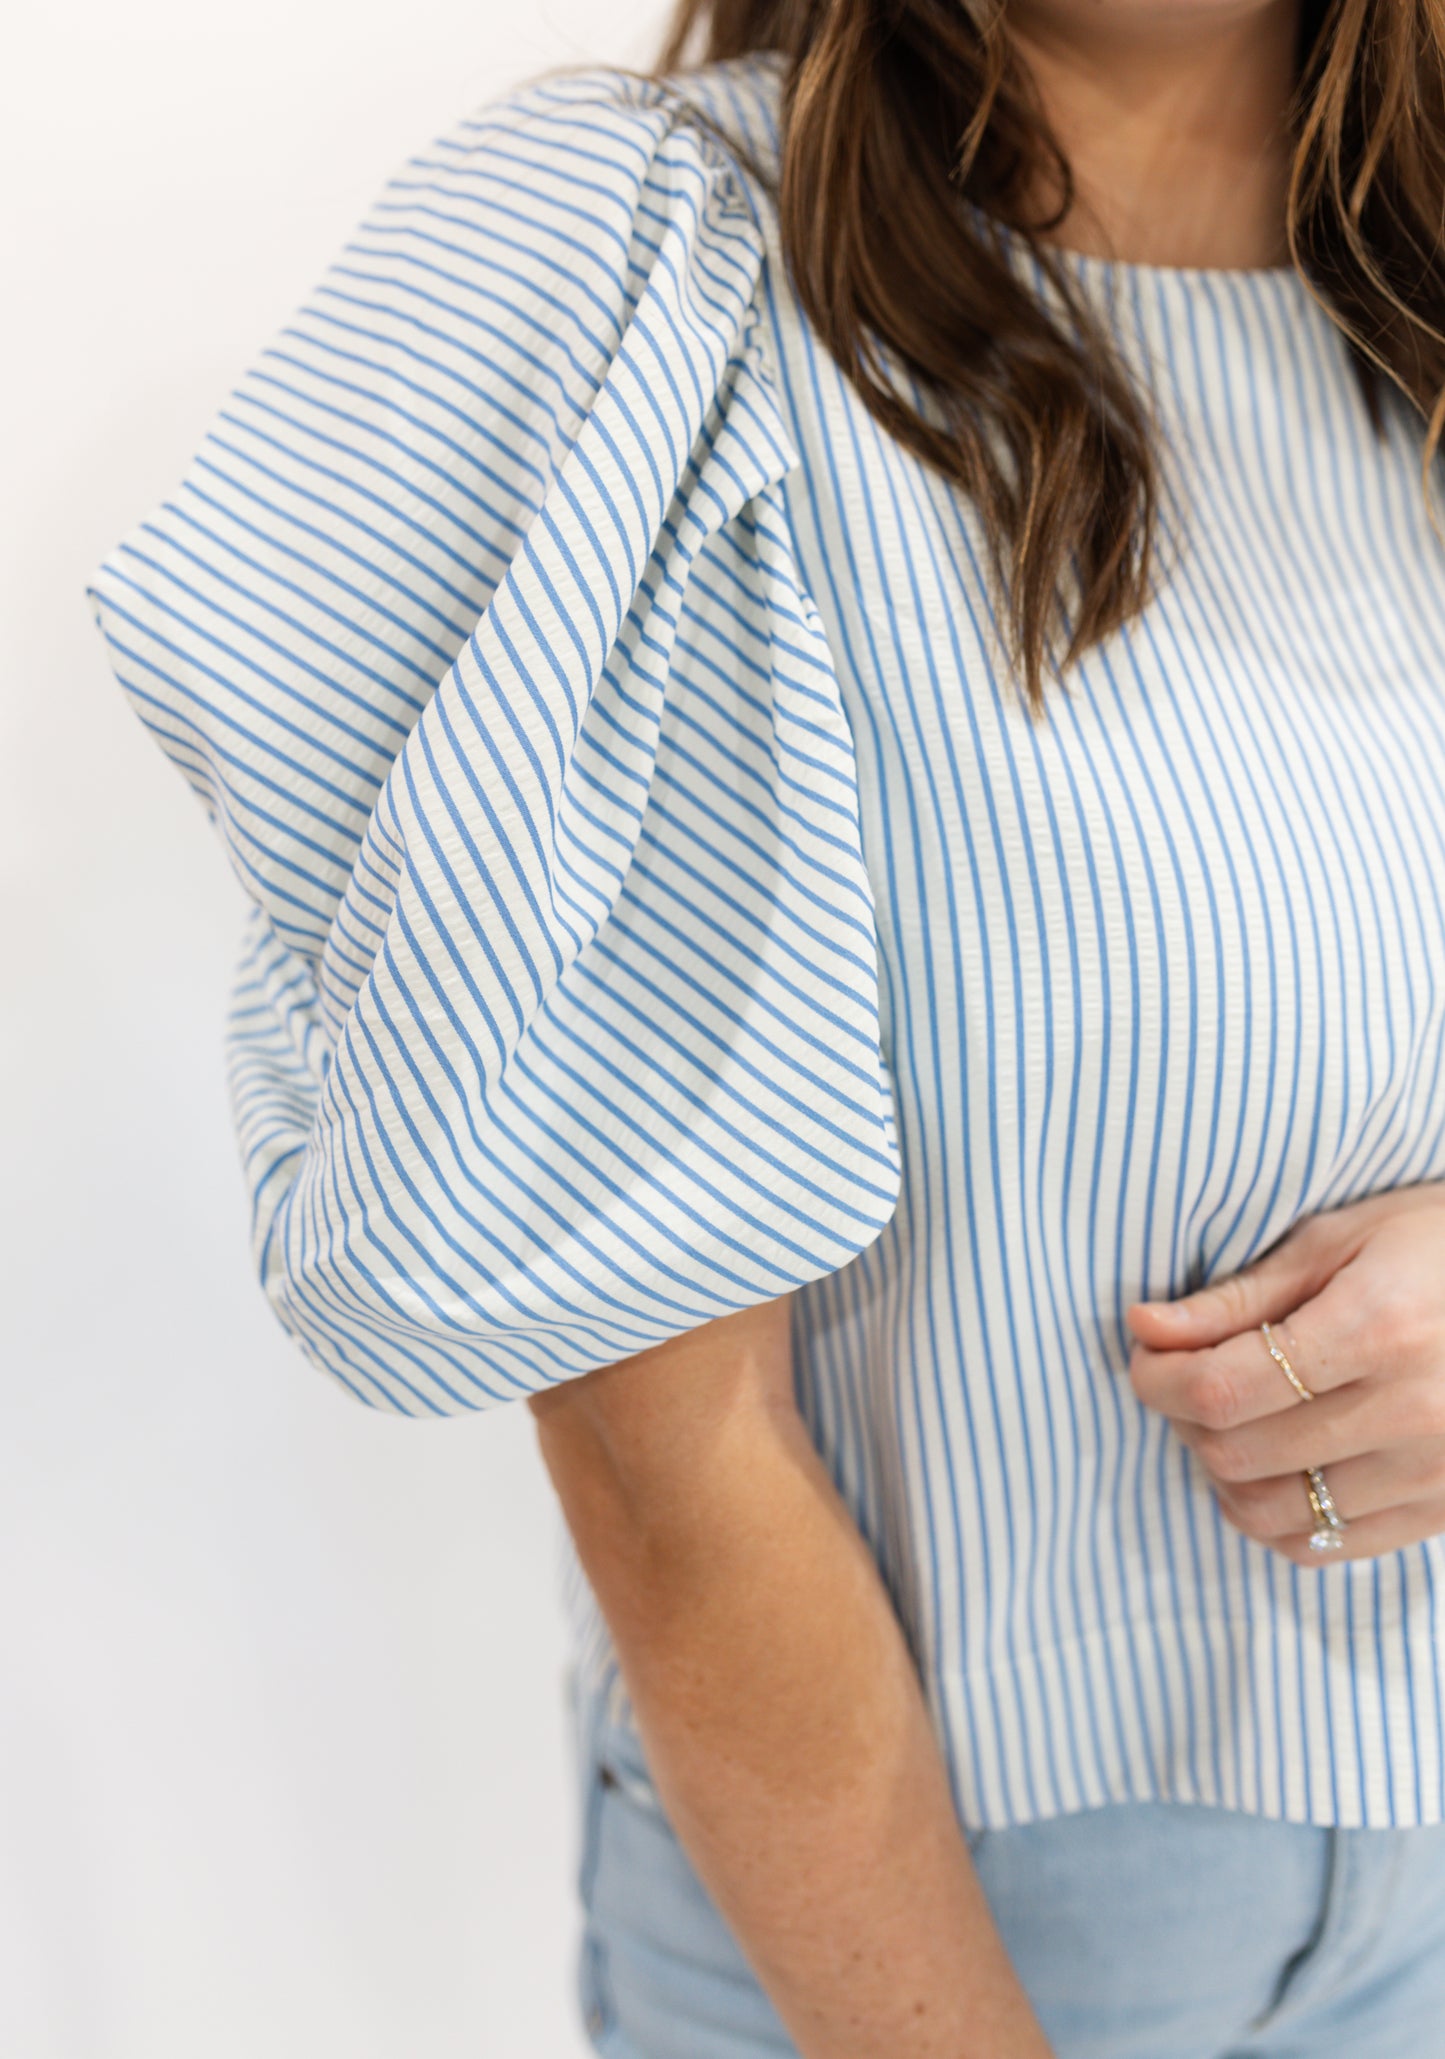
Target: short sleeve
{"type": "Point", "coordinates": [477, 626]}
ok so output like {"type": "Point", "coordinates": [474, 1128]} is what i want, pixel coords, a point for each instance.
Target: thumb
{"type": "Point", "coordinates": [1263, 1292]}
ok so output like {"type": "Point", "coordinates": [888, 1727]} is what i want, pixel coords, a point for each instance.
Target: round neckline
{"type": "Point", "coordinates": [1131, 268]}
{"type": "Point", "coordinates": [1089, 264]}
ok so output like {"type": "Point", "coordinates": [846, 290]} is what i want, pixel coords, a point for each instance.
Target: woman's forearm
{"type": "Point", "coordinates": [783, 1719]}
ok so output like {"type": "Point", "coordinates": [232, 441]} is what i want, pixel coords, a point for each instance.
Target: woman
{"type": "Point", "coordinates": [825, 671]}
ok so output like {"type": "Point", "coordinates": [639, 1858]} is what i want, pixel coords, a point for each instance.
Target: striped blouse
{"type": "Point", "coordinates": [660, 901]}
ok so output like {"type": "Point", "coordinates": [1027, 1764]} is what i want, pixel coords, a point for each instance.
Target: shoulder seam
{"type": "Point", "coordinates": [618, 89]}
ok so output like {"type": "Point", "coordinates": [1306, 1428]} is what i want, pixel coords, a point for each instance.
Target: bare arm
{"type": "Point", "coordinates": [783, 1719]}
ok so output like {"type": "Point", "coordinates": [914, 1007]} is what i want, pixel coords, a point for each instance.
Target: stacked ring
{"type": "Point", "coordinates": [1328, 1521]}
{"type": "Point", "coordinates": [1330, 1525]}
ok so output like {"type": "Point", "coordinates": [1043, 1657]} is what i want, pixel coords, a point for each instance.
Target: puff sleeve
{"type": "Point", "coordinates": [476, 625]}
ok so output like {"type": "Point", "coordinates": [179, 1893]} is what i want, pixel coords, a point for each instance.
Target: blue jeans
{"type": "Point", "coordinates": [1145, 1930]}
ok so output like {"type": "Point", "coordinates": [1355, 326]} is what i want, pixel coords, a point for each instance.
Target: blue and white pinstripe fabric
{"type": "Point", "coordinates": [661, 902]}
{"type": "Point", "coordinates": [477, 626]}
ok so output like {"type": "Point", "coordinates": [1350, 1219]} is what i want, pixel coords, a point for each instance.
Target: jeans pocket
{"type": "Point", "coordinates": [623, 1768]}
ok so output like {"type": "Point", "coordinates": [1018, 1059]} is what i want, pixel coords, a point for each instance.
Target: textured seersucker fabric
{"type": "Point", "coordinates": [477, 625]}
{"type": "Point", "coordinates": [661, 900]}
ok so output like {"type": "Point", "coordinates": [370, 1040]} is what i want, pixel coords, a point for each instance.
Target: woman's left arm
{"type": "Point", "coordinates": [1355, 1299]}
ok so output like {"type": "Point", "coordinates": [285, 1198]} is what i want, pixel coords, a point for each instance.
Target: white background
{"type": "Point", "coordinates": [283, 1764]}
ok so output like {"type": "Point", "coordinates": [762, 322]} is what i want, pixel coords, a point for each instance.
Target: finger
{"type": "Point", "coordinates": [1360, 1418]}
{"type": "Point", "coordinates": [1223, 1385]}
{"type": "Point", "coordinates": [1336, 1337]}
{"type": "Point", "coordinates": [1288, 1273]}
{"type": "Point", "coordinates": [1280, 1507]}
{"type": "Point", "coordinates": [1372, 1536]}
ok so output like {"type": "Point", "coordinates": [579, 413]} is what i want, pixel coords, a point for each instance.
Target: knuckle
{"type": "Point", "coordinates": [1238, 1510]}
{"type": "Point", "coordinates": [1235, 1293]}
{"type": "Point", "coordinates": [1225, 1457]}
{"type": "Point", "coordinates": [1390, 1329]}
{"type": "Point", "coordinates": [1212, 1398]}
{"type": "Point", "coordinates": [1255, 1510]}
{"type": "Point", "coordinates": [1402, 1330]}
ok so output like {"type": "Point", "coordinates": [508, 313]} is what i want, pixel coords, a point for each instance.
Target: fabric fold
{"type": "Point", "coordinates": [478, 627]}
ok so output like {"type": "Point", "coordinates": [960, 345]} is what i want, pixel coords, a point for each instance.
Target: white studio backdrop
{"type": "Point", "coordinates": [284, 1768]}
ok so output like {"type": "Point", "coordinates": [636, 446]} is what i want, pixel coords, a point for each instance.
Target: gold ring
{"type": "Point", "coordinates": [1330, 1526]}
{"type": "Point", "coordinates": [1284, 1365]}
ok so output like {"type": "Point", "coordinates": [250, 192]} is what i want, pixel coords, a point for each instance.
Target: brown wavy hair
{"type": "Point", "coordinates": [893, 109]}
